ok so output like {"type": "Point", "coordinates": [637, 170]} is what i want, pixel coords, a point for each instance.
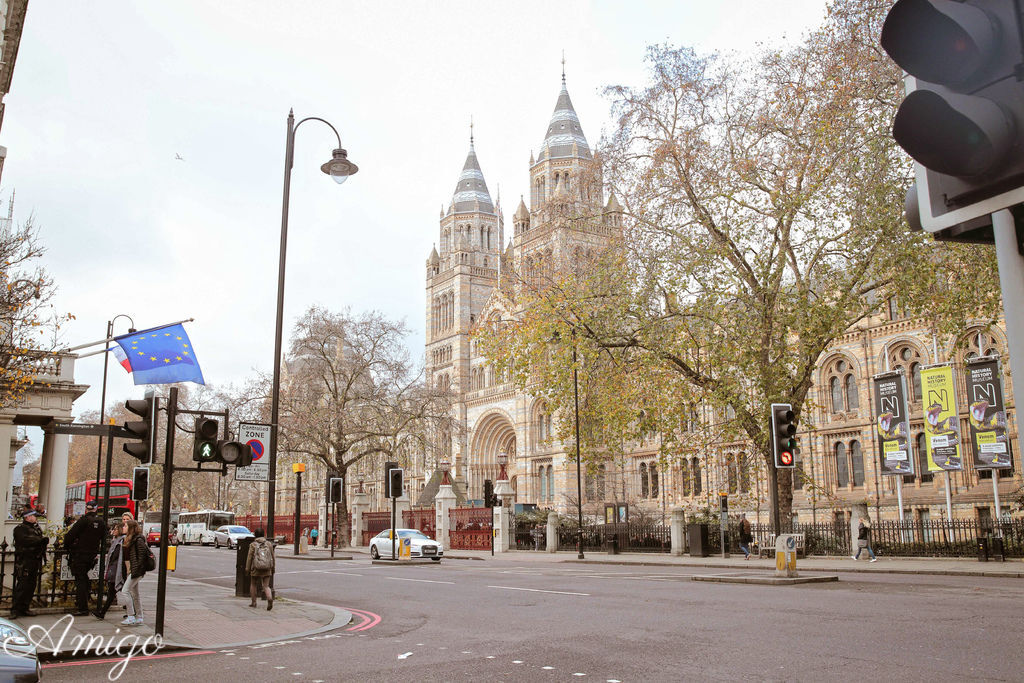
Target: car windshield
{"type": "Point", "coordinates": [237, 530]}
{"type": "Point", "coordinates": [411, 533]}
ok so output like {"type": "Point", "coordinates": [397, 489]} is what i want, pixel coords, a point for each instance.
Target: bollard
{"type": "Point", "coordinates": [785, 555]}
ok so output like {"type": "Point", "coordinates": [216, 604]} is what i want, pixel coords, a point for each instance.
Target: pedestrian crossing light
{"type": "Point", "coordinates": [144, 429]}
{"type": "Point", "coordinates": [234, 453]}
{"type": "Point", "coordinates": [783, 429]}
{"type": "Point", "coordinates": [335, 490]}
{"type": "Point", "coordinates": [962, 120]}
{"type": "Point", "coordinates": [204, 445]}
{"type": "Point", "coordinates": [140, 483]}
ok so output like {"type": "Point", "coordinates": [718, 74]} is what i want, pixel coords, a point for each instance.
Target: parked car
{"type": "Point", "coordinates": [420, 545]}
{"type": "Point", "coordinates": [18, 658]}
{"type": "Point", "coordinates": [228, 536]}
{"type": "Point", "coordinates": [153, 538]}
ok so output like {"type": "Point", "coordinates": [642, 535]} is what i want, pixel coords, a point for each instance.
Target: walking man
{"type": "Point", "coordinates": [313, 535]}
{"type": "Point", "coordinates": [864, 540]}
{"type": "Point", "coordinates": [29, 549]}
{"type": "Point", "coordinates": [83, 544]}
{"type": "Point", "coordinates": [746, 536]}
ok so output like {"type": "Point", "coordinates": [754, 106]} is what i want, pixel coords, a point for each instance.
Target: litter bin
{"type": "Point", "coordinates": [241, 578]}
{"type": "Point", "coordinates": [613, 544]}
{"type": "Point", "coordinates": [697, 536]}
{"type": "Point", "coordinates": [996, 548]}
{"type": "Point", "coordinates": [982, 549]}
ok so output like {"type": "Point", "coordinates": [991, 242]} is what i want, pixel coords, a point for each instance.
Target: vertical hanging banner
{"type": "Point", "coordinates": [941, 422]}
{"type": "Point", "coordinates": [987, 414]}
{"type": "Point", "coordinates": [892, 426]}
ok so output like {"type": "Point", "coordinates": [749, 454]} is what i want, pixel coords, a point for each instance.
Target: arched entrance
{"type": "Point", "coordinates": [492, 435]}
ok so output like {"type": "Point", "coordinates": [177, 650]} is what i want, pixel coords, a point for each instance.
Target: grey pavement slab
{"type": "Point", "coordinates": [197, 615]}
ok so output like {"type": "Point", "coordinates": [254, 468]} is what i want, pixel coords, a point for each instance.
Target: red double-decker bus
{"type": "Point", "coordinates": [120, 496]}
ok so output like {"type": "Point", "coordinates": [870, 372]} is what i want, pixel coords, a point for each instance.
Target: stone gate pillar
{"type": "Point", "coordinates": [360, 504]}
{"type": "Point", "coordinates": [443, 503]}
{"type": "Point", "coordinates": [678, 531]}
{"type": "Point", "coordinates": [401, 505]}
{"type": "Point", "coordinates": [552, 532]}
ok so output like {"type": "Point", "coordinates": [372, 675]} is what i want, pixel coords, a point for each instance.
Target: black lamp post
{"type": "Point", "coordinates": [339, 168]}
{"type": "Point", "coordinates": [579, 479]}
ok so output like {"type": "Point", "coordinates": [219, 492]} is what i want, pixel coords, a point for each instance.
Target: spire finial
{"type": "Point", "coordinates": [470, 130]}
{"type": "Point", "coordinates": [563, 67]}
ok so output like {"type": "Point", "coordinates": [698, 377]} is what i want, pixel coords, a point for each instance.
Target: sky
{"type": "Point", "coordinates": [105, 96]}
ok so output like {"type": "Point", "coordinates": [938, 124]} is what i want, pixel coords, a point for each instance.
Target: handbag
{"type": "Point", "coordinates": [862, 543]}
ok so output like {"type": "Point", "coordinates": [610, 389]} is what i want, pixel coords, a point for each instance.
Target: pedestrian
{"type": "Point", "coordinates": [313, 535]}
{"type": "Point", "coordinates": [82, 542]}
{"type": "Point", "coordinates": [135, 553]}
{"type": "Point", "coordinates": [113, 573]}
{"type": "Point", "coordinates": [864, 540]}
{"type": "Point", "coordinates": [746, 535]}
{"type": "Point", "coordinates": [259, 565]}
{"type": "Point", "coordinates": [537, 535]}
{"type": "Point", "coordinates": [29, 551]}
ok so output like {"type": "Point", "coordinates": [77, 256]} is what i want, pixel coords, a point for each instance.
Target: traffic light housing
{"type": "Point", "coordinates": [140, 483]}
{"type": "Point", "coordinates": [962, 120]}
{"type": "Point", "coordinates": [488, 493]}
{"type": "Point", "coordinates": [393, 480]}
{"type": "Point", "coordinates": [144, 429]}
{"type": "Point", "coordinates": [783, 429]}
{"type": "Point", "coordinates": [334, 490]}
{"type": "Point", "coordinates": [234, 453]}
{"type": "Point", "coordinates": [204, 444]}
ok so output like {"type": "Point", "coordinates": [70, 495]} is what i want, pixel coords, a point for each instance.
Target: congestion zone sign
{"type": "Point", "coordinates": [258, 437]}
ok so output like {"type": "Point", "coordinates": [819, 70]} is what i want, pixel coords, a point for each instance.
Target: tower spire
{"type": "Point", "coordinates": [470, 130]}
{"type": "Point", "coordinates": [563, 67]}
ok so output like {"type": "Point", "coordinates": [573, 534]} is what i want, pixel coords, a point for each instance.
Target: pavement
{"type": "Point", "coordinates": [940, 566]}
{"type": "Point", "coordinates": [196, 616]}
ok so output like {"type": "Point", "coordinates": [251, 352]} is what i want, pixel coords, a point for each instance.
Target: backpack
{"type": "Point", "coordinates": [149, 560]}
{"type": "Point", "coordinates": [262, 558]}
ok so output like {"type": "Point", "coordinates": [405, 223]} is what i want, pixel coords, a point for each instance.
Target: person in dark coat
{"type": "Point", "coordinates": [259, 577]}
{"type": "Point", "coordinates": [83, 541]}
{"type": "Point", "coordinates": [746, 536]}
{"type": "Point", "coordinates": [113, 572]}
{"type": "Point", "coordinates": [29, 551]}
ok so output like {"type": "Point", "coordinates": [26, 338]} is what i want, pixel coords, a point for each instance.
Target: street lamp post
{"type": "Point", "coordinates": [579, 480]}
{"type": "Point", "coordinates": [339, 168]}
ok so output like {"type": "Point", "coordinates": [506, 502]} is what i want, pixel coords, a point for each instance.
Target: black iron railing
{"type": "Point", "coordinates": [50, 590]}
{"type": "Point", "coordinates": [633, 538]}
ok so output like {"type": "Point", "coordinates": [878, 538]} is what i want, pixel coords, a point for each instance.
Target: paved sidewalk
{"type": "Point", "coordinates": [198, 615]}
{"type": "Point", "coordinates": [1013, 568]}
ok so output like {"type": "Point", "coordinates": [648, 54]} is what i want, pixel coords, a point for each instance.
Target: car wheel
{"type": "Point", "coordinates": [216, 544]}
{"type": "Point", "coordinates": [373, 552]}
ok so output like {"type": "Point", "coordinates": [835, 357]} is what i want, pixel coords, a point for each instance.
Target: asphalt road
{"type": "Point", "coordinates": [550, 621]}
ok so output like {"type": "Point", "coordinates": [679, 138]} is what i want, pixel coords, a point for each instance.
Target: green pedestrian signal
{"type": "Point", "coordinates": [204, 448]}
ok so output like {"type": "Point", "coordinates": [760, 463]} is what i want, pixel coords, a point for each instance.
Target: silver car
{"type": "Point", "coordinates": [18, 658]}
{"type": "Point", "coordinates": [420, 545]}
{"type": "Point", "coordinates": [228, 536]}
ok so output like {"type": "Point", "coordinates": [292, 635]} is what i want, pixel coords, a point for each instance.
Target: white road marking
{"type": "Point", "coordinates": [613, 680]}
{"type": "Point", "coordinates": [405, 655]}
{"type": "Point", "coordinates": [517, 661]}
{"type": "Point", "coordinates": [467, 652]}
{"type": "Point", "coordinates": [419, 644]}
{"type": "Point", "coordinates": [489, 657]}
{"type": "Point", "coordinates": [398, 578]}
{"type": "Point", "coordinates": [547, 668]}
{"type": "Point", "coordinates": [243, 658]}
{"type": "Point", "coordinates": [579, 674]}
{"type": "Point", "coordinates": [537, 590]}
{"type": "Point", "coordinates": [278, 667]}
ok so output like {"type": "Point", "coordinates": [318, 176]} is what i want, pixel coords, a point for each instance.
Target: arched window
{"type": "Point", "coordinates": [684, 476]}
{"type": "Point", "coordinates": [852, 395]}
{"type": "Point", "coordinates": [842, 466]}
{"type": "Point", "coordinates": [915, 382]}
{"type": "Point", "coordinates": [909, 359]}
{"type": "Point", "coordinates": [600, 482]}
{"type": "Point", "coordinates": [730, 467]}
{"type": "Point", "coordinates": [644, 484]}
{"type": "Point", "coordinates": [741, 462]}
{"type": "Point", "coordinates": [589, 485]}
{"type": "Point", "coordinates": [922, 459]}
{"type": "Point", "coordinates": [837, 395]}
{"type": "Point", "coordinates": [654, 480]}
{"type": "Point", "coordinates": [698, 485]}
{"type": "Point", "coordinates": [857, 460]}
{"type": "Point", "coordinates": [543, 484]}
{"type": "Point", "coordinates": [551, 482]}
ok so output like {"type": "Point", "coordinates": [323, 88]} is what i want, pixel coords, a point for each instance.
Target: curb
{"type": "Point", "coordinates": [847, 570]}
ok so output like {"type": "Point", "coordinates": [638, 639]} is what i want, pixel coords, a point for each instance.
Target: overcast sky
{"type": "Point", "coordinates": [105, 95]}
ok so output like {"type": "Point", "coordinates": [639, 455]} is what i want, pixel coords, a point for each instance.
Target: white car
{"type": "Point", "coordinates": [420, 545]}
{"type": "Point", "coordinates": [228, 536]}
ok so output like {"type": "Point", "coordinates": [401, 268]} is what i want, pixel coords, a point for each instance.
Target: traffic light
{"type": "Point", "coordinates": [962, 120]}
{"type": "Point", "coordinates": [334, 489]}
{"type": "Point", "coordinates": [140, 483]}
{"type": "Point", "coordinates": [234, 453]}
{"type": "Point", "coordinates": [488, 494]}
{"type": "Point", "coordinates": [204, 445]}
{"type": "Point", "coordinates": [144, 429]}
{"type": "Point", "coordinates": [393, 482]}
{"type": "Point", "coordinates": [783, 429]}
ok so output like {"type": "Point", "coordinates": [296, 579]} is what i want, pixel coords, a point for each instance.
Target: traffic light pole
{"type": "Point", "coordinates": [1011, 279]}
{"type": "Point", "coordinates": [165, 510]}
{"type": "Point", "coordinates": [298, 509]}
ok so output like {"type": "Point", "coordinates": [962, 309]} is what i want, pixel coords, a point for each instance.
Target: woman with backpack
{"type": "Point", "coordinates": [259, 564]}
{"type": "Point", "coordinates": [137, 561]}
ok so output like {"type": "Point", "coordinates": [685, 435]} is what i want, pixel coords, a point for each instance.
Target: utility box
{"type": "Point", "coordinates": [697, 539]}
{"type": "Point", "coordinates": [241, 578]}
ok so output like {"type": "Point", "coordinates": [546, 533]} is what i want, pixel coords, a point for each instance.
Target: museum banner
{"type": "Point", "coordinates": [941, 419]}
{"type": "Point", "coordinates": [987, 414]}
{"type": "Point", "coordinates": [892, 426]}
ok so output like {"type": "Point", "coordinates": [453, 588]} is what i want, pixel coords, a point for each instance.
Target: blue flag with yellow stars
{"type": "Point", "coordinates": [162, 355]}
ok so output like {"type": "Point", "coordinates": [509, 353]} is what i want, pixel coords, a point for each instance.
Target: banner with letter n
{"type": "Point", "coordinates": [941, 420]}
{"type": "Point", "coordinates": [892, 426]}
{"type": "Point", "coordinates": [987, 414]}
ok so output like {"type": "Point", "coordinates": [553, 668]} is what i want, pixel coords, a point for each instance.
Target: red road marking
{"type": "Point", "coordinates": [369, 619]}
{"type": "Point", "coordinates": [134, 659]}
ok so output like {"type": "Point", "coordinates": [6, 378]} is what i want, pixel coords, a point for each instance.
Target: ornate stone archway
{"type": "Point", "coordinates": [492, 435]}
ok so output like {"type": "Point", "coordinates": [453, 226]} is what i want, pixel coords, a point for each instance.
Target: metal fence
{"type": "Point", "coordinates": [50, 591]}
{"type": "Point", "coordinates": [522, 535]}
{"type": "Point", "coordinates": [634, 538]}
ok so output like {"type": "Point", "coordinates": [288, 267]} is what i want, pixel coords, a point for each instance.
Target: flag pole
{"type": "Point", "coordinates": [110, 339]}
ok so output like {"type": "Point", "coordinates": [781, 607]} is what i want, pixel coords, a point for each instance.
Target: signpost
{"type": "Point", "coordinates": [258, 437]}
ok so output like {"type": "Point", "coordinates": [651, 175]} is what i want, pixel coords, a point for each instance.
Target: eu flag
{"type": "Point", "coordinates": [162, 355]}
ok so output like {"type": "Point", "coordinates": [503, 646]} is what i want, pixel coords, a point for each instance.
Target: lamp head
{"type": "Point", "coordinates": [339, 167]}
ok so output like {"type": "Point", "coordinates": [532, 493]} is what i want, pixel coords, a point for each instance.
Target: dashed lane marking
{"type": "Point", "coordinates": [399, 578]}
{"type": "Point", "coordinates": [538, 590]}
{"type": "Point", "coordinates": [405, 655]}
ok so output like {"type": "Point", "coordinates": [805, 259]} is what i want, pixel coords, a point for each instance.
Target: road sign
{"type": "Point", "coordinates": [258, 437]}
{"type": "Point", "coordinates": [82, 429]}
